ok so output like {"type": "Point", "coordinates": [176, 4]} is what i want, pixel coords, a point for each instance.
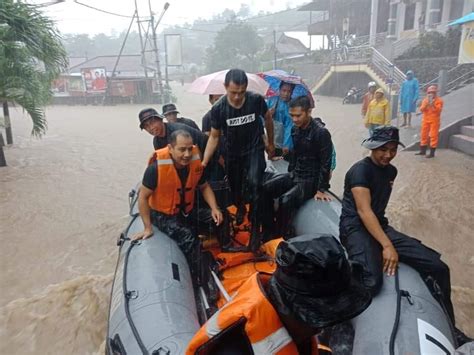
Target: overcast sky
{"type": "Point", "coordinates": [74, 18]}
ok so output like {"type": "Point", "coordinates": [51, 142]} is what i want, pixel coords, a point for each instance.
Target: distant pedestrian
{"type": "Point", "coordinates": [431, 108]}
{"type": "Point", "coordinates": [378, 112]}
{"type": "Point", "coordinates": [171, 114]}
{"type": "Point", "coordinates": [368, 97]}
{"type": "Point", "coordinates": [409, 94]}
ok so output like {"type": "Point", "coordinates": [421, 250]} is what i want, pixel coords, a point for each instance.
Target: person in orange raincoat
{"type": "Point", "coordinates": [431, 108]}
{"type": "Point", "coordinates": [312, 288]}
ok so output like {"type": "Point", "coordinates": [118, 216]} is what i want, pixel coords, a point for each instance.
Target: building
{"type": "Point", "coordinates": [409, 18]}
{"type": "Point", "coordinates": [105, 78]}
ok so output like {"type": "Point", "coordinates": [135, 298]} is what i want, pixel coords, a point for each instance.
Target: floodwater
{"type": "Point", "coordinates": [63, 203]}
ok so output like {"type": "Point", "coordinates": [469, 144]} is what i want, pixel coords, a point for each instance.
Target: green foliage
{"type": "Point", "coordinates": [31, 57]}
{"type": "Point", "coordinates": [237, 45]}
{"type": "Point", "coordinates": [435, 45]}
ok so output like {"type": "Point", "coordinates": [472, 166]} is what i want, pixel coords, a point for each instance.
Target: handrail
{"type": "Point", "coordinates": [450, 84]}
{"type": "Point", "coordinates": [369, 55]}
{"type": "Point", "coordinates": [435, 79]}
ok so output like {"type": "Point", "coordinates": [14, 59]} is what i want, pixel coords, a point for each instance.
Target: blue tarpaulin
{"type": "Point", "coordinates": [464, 19]}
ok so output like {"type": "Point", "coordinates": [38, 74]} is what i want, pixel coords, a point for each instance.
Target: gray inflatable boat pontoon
{"type": "Point", "coordinates": [154, 310]}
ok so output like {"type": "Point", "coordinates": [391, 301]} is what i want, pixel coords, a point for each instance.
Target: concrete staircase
{"type": "Point", "coordinates": [365, 59]}
{"type": "Point", "coordinates": [464, 141]}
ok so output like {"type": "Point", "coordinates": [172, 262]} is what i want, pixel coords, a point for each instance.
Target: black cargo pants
{"type": "Point", "coordinates": [184, 231]}
{"type": "Point", "coordinates": [245, 175]}
{"type": "Point", "coordinates": [283, 195]}
{"type": "Point", "coordinates": [365, 250]}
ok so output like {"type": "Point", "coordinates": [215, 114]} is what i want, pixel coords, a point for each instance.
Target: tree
{"type": "Point", "coordinates": [237, 45]}
{"type": "Point", "coordinates": [31, 57]}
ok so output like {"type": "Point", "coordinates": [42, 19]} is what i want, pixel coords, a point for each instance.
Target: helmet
{"type": "Point", "coordinates": [371, 84]}
{"type": "Point", "coordinates": [431, 88]}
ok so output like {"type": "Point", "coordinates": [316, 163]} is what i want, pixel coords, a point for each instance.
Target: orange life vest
{"type": "Point", "coordinates": [263, 327]}
{"type": "Point", "coordinates": [167, 196]}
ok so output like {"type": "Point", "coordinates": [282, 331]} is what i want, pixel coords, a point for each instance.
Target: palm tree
{"type": "Point", "coordinates": [31, 57]}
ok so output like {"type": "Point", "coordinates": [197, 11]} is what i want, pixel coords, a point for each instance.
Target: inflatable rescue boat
{"type": "Point", "coordinates": [155, 310]}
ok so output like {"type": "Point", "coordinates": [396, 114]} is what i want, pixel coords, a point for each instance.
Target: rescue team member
{"type": "Point", "coordinates": [170, 112]}
{"type": "Point", "coordinates": [152, 122]}
{"type": "Point", "coordinates": [378, 112]}
{"type": "Point", "coordinates": [431, 107]}
{"type": "Point", "coordinates": [312, 288]}
{"type": "Point", "coordinates": [238, 115]}
{"type": "Point", "coordinates": [366, 234]}
{"type": "Point", "coordinates": [166, 197]}
{"type": "Point", "coordinates": [309, 170]}
{"type": "Point", "coordinates": [368, 97]}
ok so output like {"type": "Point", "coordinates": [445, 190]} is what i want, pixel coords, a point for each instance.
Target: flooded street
{"type": "Point", "coordinates": [64, 202]}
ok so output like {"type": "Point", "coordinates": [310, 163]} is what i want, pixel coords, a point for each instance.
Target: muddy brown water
{"type": "Point", "coordinates": [63, 202]}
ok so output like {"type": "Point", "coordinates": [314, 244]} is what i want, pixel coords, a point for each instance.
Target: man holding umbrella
{"type": "Point", "coordinates": [238, 115]}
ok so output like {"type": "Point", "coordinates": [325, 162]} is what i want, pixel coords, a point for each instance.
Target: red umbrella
{"type": "Point", "coordinates": [213, 84]}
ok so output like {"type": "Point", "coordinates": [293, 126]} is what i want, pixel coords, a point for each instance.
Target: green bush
{"type": "Point", "coordinates": [435, 45]}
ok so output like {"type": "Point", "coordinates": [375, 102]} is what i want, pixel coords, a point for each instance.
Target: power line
{"type": "Point", "coordinates": [100, 10]}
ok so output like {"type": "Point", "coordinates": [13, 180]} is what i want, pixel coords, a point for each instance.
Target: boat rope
{"type": "Point", "coordinates": [127, 295]}
{"type": "Point", "coordinates": [397, 316]}
{"type": "Point", "coordinates": [220, 286]}
{"type": "Point", "coordinates": [400, 294]}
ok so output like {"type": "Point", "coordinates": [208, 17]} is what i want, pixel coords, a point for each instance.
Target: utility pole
{"type": "Point", "coordinates": [274, 49]}
{"type": "Point", "coordinates": [155, 46]}
{"type": "Point", "coordinates": [374, 9]}
{"type": "Point", "coordinates": [141, 41]}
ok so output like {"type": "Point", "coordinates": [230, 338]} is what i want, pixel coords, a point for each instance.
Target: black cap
{"type": "Point", "coordinates": [382, 135]}
{"type": "Point", "coordinates": [314, 282]}
{"type": "Point", "coordinates": [169, 108]}
{"type": "Point", "coordinates": [146, 114]}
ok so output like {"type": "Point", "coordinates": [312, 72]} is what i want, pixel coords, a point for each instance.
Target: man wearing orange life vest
{"type": "Point", "coordinates": [167, 193]}
{"type": "Point", "coordinates": [312, 288]}
{"type": "Point", "coordinates": [431, 107]}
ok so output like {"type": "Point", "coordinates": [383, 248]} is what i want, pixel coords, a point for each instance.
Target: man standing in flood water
{"type": "Point", "coordinates": [238, 115]}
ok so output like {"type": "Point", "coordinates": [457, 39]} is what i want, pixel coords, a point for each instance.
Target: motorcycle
{"type": "Point", "coordinates": [353, 96]}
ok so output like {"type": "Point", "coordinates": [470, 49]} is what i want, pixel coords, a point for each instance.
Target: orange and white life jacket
{"type": "Point", "coordinates": [168, 194]}
{"type": "Point", "coordinates": [263, 327]}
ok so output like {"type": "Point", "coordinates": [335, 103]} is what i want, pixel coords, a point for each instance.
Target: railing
{"type": "Point", "coordinates": [402, 45]}
{"type": "Point", "coordinates": [387, 67]}
{"type": "Point", "coordinates": [365, 40]}
{"type": "Point", "coordinates": [458, 78]}
{"type": "Point", "coordinates": [370, 56]}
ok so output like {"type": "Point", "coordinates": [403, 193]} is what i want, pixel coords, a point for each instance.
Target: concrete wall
{"type": "Point", "coordinates": [446, 133]}
{"type": "Point", "coordinates": [340, 82]}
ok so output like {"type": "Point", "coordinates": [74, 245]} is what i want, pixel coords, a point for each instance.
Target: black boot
{"type": "Point", "coordinates": [422, 150]}
{"type": "Point", "coordinates": [241, 212]}
{"type": "Point", "coordinates": [432, 153]}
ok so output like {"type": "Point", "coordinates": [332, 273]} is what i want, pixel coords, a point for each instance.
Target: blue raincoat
{"type": "Point", "coordinates": [282, 122]}
{"type": "Point", "coordinates": [409, 95]}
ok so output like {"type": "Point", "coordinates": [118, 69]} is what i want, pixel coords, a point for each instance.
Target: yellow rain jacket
{"type": "Point", "coordinates": [378, 112]}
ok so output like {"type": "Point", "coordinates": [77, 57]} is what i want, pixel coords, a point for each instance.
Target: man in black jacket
{"type": "Point", "coordinates": [170, 112]}
{"type": "Point", "coordinates": [308, 171]}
